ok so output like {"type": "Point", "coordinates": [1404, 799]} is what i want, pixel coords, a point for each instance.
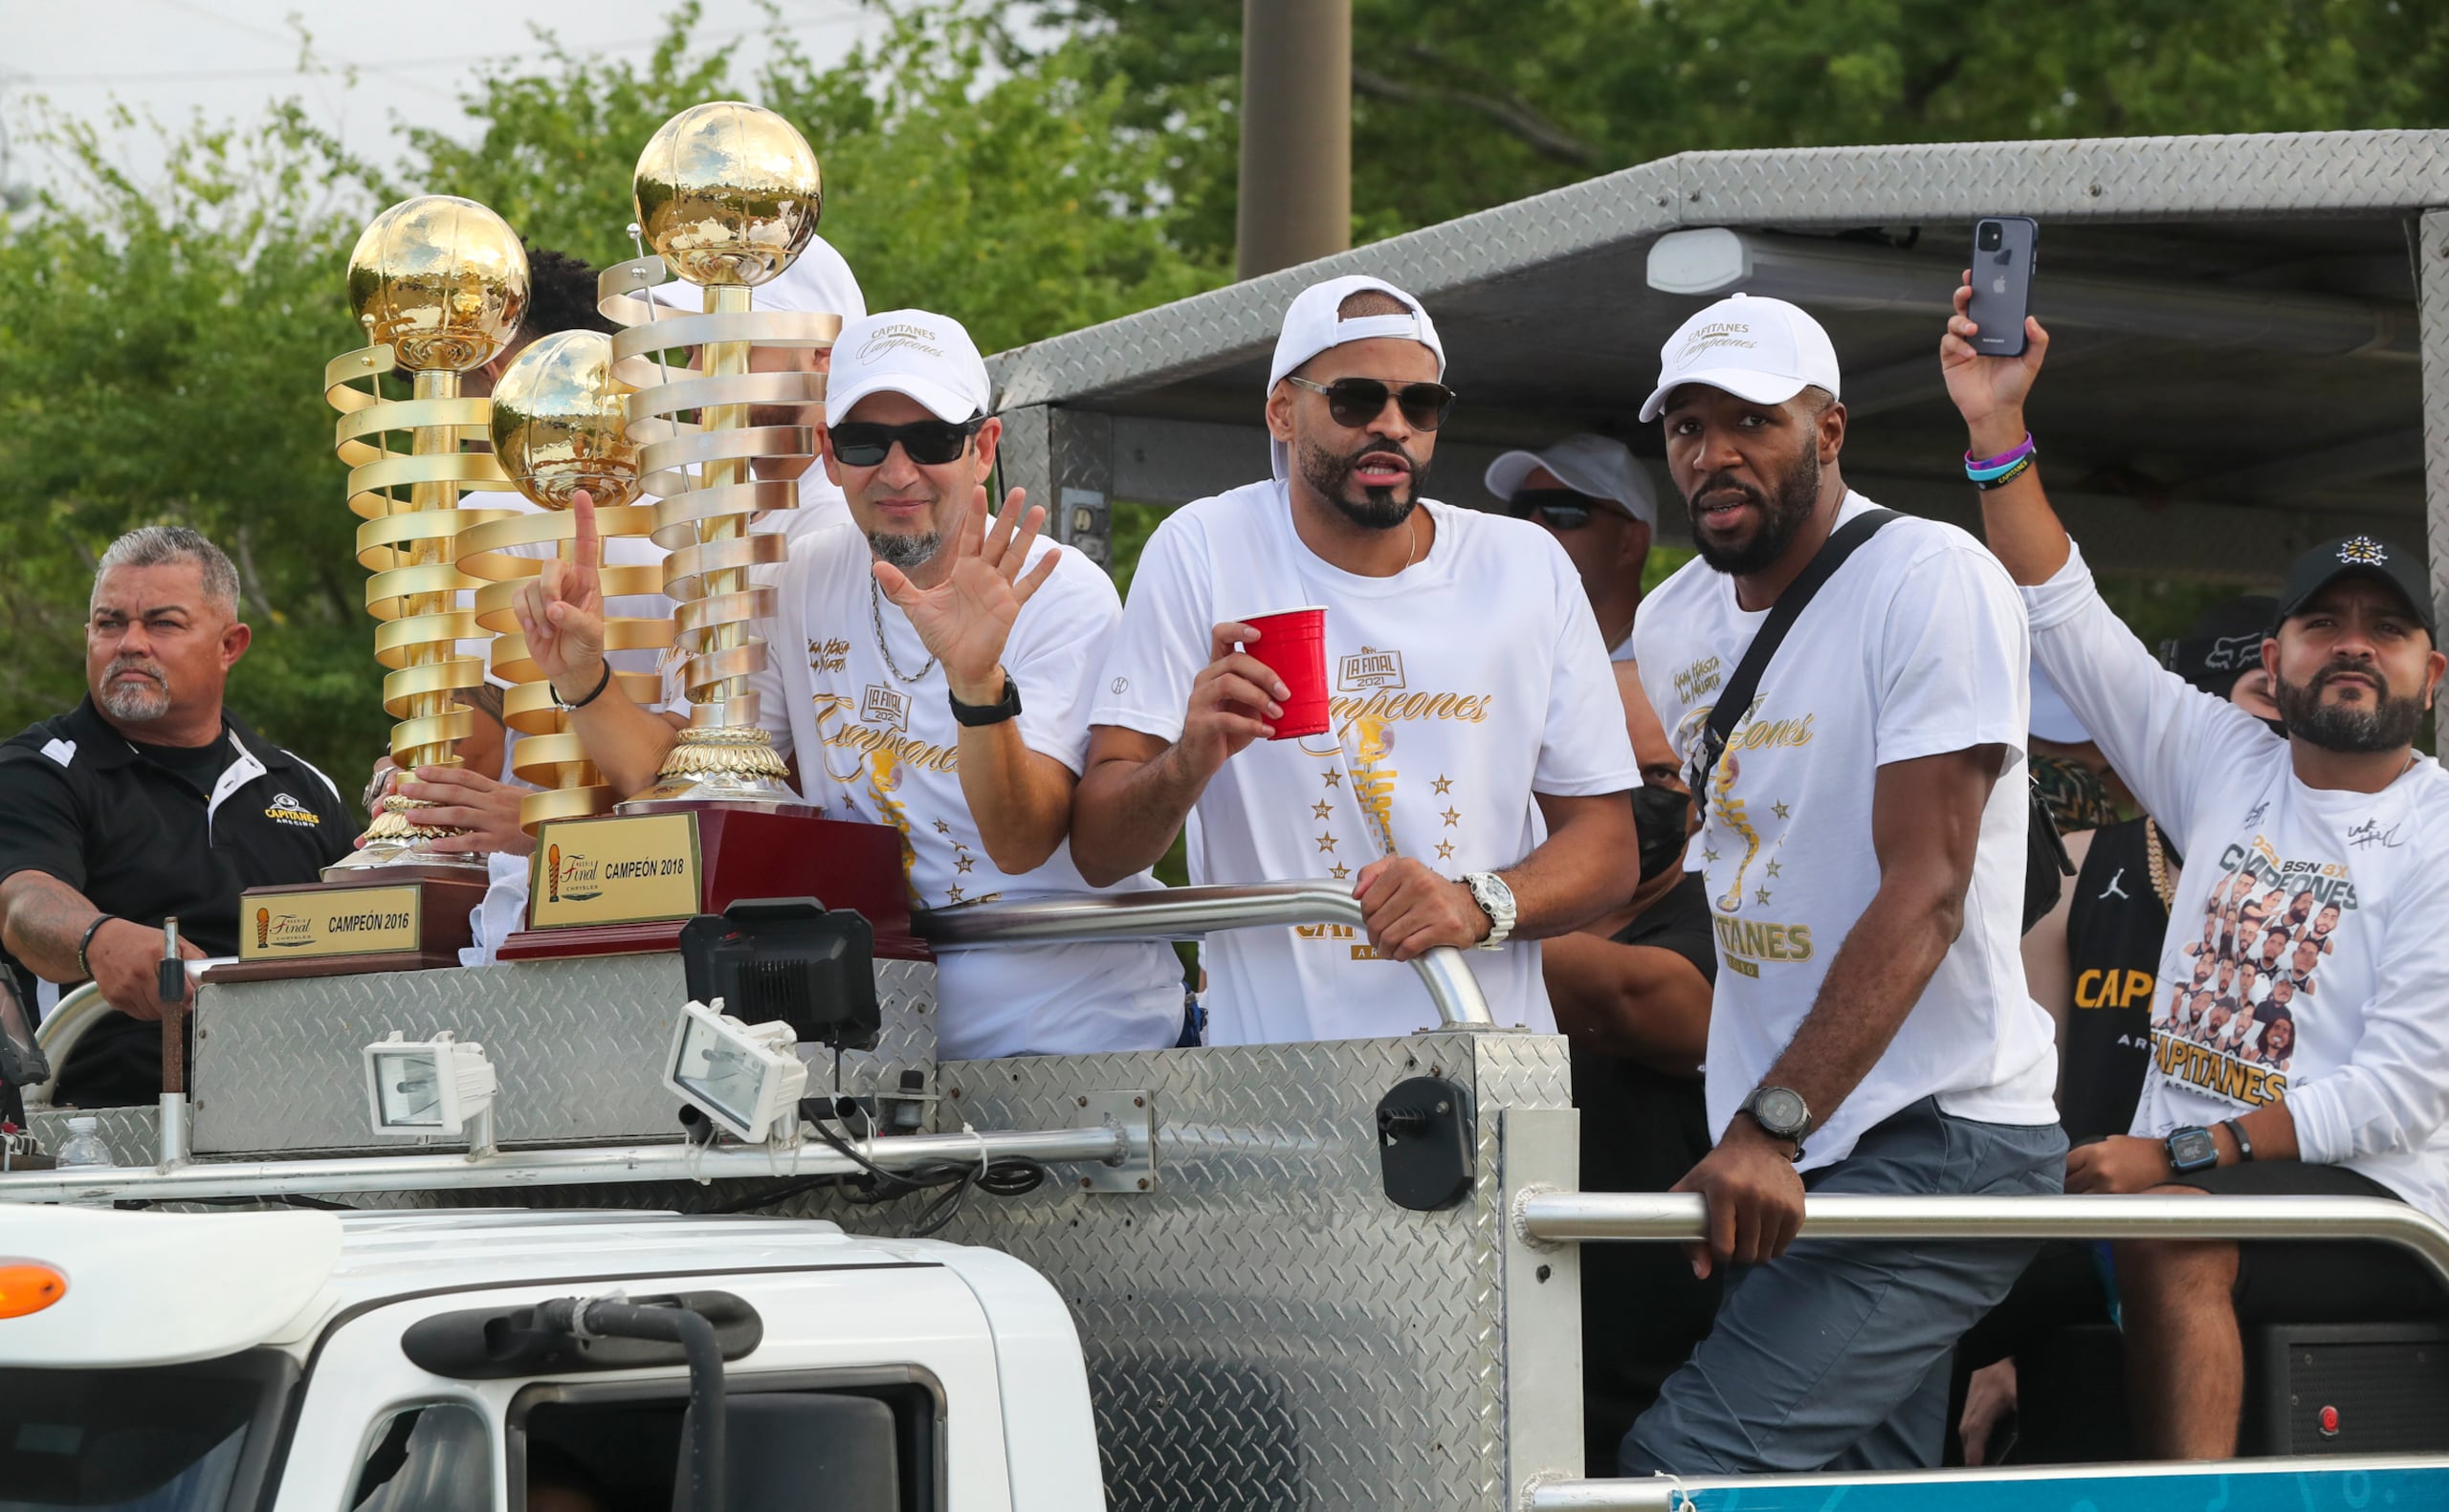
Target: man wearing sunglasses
{"type": "Point", "coordinates": [1598, 503]}
{"type": "Point", "coordinates": [1863, 848]}
{"type": "Point", "coordinates": [1470, 788]}
{"type": "Point", "coordinates": [925, 672]}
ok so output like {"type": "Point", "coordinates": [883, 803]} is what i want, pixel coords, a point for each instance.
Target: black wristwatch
{"type": "Point", "coordinates": [1008, 707]}
{"type": "Point", "coordinates": [2192, 1149]}
{"type": "Point", "coordinates": [1781, 1114]}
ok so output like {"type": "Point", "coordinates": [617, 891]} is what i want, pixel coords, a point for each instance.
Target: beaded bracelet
{"type": "Point", "coordinates": [1999, 465]}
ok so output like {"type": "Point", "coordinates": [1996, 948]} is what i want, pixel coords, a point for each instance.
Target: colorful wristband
{"type": "Point", "coordinates": [2002, 479]}
{"type": "Point", "coordinates": [1978, 468]}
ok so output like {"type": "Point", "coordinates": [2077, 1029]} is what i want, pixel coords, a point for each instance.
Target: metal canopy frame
{"type": "Point", "coordinates": [2216, 457]}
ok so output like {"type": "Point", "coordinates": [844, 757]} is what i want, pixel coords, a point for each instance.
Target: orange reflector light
{"type": "Point", "coordinates": [27, 1286]}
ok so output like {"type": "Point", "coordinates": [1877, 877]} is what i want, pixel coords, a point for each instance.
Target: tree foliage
{"type": "Point", "coordinates": [1461, 104]}
{"type": "Point", "coordinates": [161, 342]}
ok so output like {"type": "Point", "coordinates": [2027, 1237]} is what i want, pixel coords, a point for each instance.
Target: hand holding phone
{"type": "Point", "coordinates": [2004, 248]}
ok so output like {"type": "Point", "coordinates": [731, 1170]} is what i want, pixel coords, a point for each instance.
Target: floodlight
{"type": "Point", "coordinates": [744, 1077]}
{"type": "Point", "coordinates": [435, 1086]}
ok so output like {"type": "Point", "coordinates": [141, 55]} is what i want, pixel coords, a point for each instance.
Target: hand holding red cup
{"type": "Point", "coordinates": [1293, 645]}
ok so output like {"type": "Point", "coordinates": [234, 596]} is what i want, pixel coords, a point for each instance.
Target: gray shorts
{"type": "Point", "coordinates": [1835, 1355]}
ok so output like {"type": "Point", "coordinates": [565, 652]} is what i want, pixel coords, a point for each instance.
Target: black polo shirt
{"type": "Point", "coordinates": [144, 841]}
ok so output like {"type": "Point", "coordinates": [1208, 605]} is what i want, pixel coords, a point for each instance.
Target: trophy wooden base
{"type": "Point", "coordinates": [406, 918]}
{"type": "Point", "coordinates": [624, 884]}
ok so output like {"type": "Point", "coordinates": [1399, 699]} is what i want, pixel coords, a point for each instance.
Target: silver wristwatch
{"type": "Point", "coordinates": [1495, 900]}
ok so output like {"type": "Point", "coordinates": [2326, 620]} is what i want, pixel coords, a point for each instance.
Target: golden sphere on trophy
{"type": "Point", "coordinates": [728, 192]}
{"type": "Point", "coordinates": [442, 280]}
{"type": "Point", "coordinates": [561, 423]}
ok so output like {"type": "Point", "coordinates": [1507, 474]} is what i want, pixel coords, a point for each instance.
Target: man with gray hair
{"type": "Point", "coordinates": [148, 800]}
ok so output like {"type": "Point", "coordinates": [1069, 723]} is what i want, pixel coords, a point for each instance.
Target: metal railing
{"type": "Point", "coordinates": [1543, 1216]}
{"type": "Point", "coordinates": [79, 1009]}
{"type": "Point", "coordinates": [548, 1167]}
{"type": "Point", "coordinates": [1186, 913]}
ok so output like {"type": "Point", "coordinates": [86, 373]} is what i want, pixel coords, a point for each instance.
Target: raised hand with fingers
{"type": "Point", "coordinates": [561, 610]}
{"type": "Point", "coordinates": [1989, 391]}
{"type": "Point", "coordinates": [964, 618]}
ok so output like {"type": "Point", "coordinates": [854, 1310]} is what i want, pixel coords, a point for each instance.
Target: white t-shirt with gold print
{"type": "Point", "coordinates": [877, 743]}
{"type": "Point", "coordinates": [1461, 686]}
{"type": "Point", "coordinates": [1915, 648]}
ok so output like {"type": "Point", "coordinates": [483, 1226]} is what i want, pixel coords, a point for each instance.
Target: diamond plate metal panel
{"type": "Point", "coordinates": [2126, 179]}
{"type": "Point", "coordinates": [1023, 458]}
{"type": "Point", "coordinates": [2432, 303]}
{"type": "Point", "coordinates": [1267, 1330]}
{"type": "Point", "coordinates": [578, 1045]}
{"type": "Point", "coordinates": [133, 1134]}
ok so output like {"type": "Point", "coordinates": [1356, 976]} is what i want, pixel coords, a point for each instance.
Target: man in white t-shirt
{"type": "Point", "coordinates": [929, 675]}
{"type": "Point", "coordinates": [1471, 704]}
{"type": "Point", "coordinates": [1863, 848]}
{"type": "Point", "coordinates": [2341, 1086]}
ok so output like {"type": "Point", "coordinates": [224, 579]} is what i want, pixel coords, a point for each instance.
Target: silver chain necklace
{"type": "Point", "coordinates": [875, 613]}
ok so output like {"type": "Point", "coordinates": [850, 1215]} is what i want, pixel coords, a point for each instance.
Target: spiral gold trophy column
{"type": "Point", "coordinates": [561, 424]}
{"type": "Point", "coordinates": [439, 284]}
{"type": "Point", "coordinates": [727, 194]}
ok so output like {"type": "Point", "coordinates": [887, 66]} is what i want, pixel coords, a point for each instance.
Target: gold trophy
{"type": "Point", "coordinates": [727, 194]}
{"type": "Point", "coordinates": [439, 283]}
{"type": "Point", "coordinates": [561, 424]}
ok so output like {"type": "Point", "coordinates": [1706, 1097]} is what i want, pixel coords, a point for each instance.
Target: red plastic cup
{"type": "Point", "coordinates": [1293, 645]}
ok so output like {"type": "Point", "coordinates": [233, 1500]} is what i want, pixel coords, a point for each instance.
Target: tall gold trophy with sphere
{"type": "Point", "coordinates": [439, 284]}
{"type": "Point", "coordinates": [560, 423]}
{"type": "Point", "coordinates": [727, 194]}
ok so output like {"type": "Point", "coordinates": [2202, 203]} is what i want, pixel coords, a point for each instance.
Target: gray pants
{"type": "Point", "coordinates": [1835, 1355]}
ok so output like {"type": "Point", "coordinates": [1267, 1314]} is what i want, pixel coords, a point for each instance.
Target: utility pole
{"type": "Point", "coordinates": [1295, 192]}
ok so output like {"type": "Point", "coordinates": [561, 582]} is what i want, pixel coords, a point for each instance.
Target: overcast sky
{"type": "Point", "coordinates": [230, 58]}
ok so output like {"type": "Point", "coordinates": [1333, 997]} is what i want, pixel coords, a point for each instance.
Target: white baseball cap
{"type": "Point", "coordinates": [1312, 325]}
{"type": "Point", "coordinates": [1585, 464]}
{"type": "Point", "coordinates": [928, 357]}
{"type": "Point", "coordinates": [1756, 348]}
{"type": "Point", "coordinates": [817, 281]}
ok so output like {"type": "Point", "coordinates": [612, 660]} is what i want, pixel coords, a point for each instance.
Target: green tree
{"type": "Point", "coordinates": [161, 353]}
{"type": "Point", "coordinates": [162, 344]}
{"type": "Point", "coordinates": [1461, 104]}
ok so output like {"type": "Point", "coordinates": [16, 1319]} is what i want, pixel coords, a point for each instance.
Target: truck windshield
{"type": "Point", "coordinates": [166, 1439]}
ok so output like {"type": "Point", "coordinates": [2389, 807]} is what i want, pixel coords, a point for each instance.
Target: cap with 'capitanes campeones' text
{"type": "Point", "coordinates": [926, 356]}
{"type": "Point", "coordinates": [1754, 347]}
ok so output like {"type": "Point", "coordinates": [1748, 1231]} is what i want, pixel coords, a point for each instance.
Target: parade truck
{"type": "Point", "coordinates": [612, 1228]}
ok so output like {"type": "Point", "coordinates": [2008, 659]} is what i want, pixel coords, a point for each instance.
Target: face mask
{"type": "Point", "coordinates": [1661, 818]}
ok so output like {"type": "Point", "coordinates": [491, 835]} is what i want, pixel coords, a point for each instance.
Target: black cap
{"type": "Point", "coordinates": [2224, 644]}
{"type": "Point", "coordinates": [2356, 555]}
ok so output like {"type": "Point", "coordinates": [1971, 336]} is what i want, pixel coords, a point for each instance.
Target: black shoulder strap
{"type": "Point", "coordinates": [1736, 695]}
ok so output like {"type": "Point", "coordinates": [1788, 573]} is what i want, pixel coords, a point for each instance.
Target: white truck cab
{"type": "Point", "coordinates": [395, 1363]}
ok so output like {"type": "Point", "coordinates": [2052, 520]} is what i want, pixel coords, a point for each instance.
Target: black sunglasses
{"type": "Point", "coordinates": [929, 442]}
{"type": "Point", "coordinates": [1356, 402]}
{"type": "Point", "coordinates": [1560, 509]}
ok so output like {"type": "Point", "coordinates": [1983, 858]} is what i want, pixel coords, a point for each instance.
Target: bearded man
{"type": "Point", "coordinates": [148, 800]}
{"type": "Point", "coordinates": [1469, 699]}
{"type": "Point", "coordinates": [2338, 808]}
{"type": "Point", "coordinates": [1871, 1031]}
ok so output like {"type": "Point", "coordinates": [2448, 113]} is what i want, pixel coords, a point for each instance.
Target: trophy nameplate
{"type": "Point", "coordinates": [316, 928]}
{"type": "Point", "coordinates": [623, 884]}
